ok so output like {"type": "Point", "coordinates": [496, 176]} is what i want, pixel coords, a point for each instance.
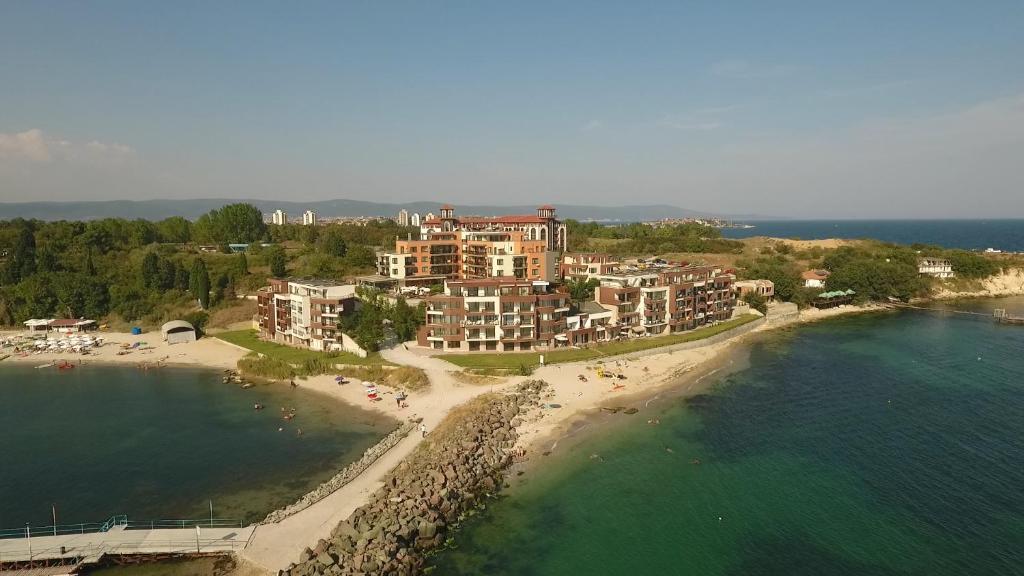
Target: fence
{"type": "Point", "coordinates": [115, 521]}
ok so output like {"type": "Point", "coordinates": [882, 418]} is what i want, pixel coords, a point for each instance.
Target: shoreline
{"type": "Point", "coordinates": [207, 352]}
{"type": "Point", "coordinates": [647, 379]}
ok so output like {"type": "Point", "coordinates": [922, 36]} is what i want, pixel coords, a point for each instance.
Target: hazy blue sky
{"type": "Point", "coordinates": [782, 108]}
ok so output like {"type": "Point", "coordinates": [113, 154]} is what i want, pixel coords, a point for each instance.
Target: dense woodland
{"type": "Point", "coordinates": [137, 271]}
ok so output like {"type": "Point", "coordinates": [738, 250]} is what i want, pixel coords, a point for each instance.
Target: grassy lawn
{"type": "Point", "coordinates": [512, 361]}
{"type": "Point", "coordinates": [249, 339]}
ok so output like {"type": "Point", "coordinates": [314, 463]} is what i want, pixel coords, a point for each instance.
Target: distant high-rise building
{"type": "Point", "coordinates": [280, 217]}
{"type": "Point", "coordinates": [415, 220]}
{"type": "Point", "coordinates": [403, 217]}
{"type": "Point", "coordinates": [309, 218]}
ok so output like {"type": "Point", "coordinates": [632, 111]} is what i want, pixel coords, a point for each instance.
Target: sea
{"type": "Point", "coordinates": [877, 444]}
{"type": "Point", "coordinates": [96, 441]}
{"type": "Point", "coordinates": [1005, 235]}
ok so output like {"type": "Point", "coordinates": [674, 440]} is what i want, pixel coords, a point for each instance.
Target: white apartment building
{"type": "Point", "coordinates": [280, 217]}
{"type": "Point", "coordinates": [309, 218]}
{"type": "Point", "coordinates": [403, 217]}
{"type": "Point", "coordinates": [415, 219]}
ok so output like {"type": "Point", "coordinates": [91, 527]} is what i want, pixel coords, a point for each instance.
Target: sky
{"type": "Point", "coordinates": [801, 109]}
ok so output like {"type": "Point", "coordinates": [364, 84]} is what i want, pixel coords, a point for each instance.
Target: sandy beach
{"type": "Point", "coordinates": [684, 372]}
{"type": "Point", "coordinates": [205, 352]}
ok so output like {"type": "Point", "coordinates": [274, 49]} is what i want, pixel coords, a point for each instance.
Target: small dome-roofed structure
{"type": "Point", "coordinates": [178, 331]}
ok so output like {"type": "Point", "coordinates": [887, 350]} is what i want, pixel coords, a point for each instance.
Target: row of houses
{"type": "Point", "coordinates": [513, 314]}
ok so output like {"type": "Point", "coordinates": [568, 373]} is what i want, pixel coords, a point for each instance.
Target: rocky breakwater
{"type": "Point", "coordinates": [345, 476]}
{"type": "Point", "coordinates": [460, 464]}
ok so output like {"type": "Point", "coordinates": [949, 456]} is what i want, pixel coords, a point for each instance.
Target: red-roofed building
{"type": "Point", "coordinates": [471, 247]}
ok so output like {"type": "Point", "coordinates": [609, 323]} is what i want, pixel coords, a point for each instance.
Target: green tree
{"type": "Point", "coordinates": [582, 289]}
{"type": "Point", "coordinates": [175, 230]}
{"type": "Point", "coordinates": [241, 223]}
{"type": "Point", "coordinates": [181, 277]}
{"type": "Point", "coordinates": [241, 264]}
{"type": "Point", "coordinates": [404, 320]}
{"type": "Point", "coordinates": [276, 260]}
{"type": "Point", "coordinates": [332, 242]}
{"type": "Point", "coordinates": [199, 283]}
{"type": "Point", "coordinates": [150, 270]}
{"type": "Point", "coordinates": [167, 274]}
{"type": "Point", "coordinates": [21, 262]}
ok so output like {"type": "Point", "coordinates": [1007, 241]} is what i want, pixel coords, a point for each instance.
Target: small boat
{"type": "Point", "coordinates": [47, 365]}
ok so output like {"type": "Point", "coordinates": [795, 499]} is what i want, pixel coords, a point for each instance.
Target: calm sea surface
{"type": "Point", "coordinates": [1006, 235]}
{"type": "Point", "coordinates": [98, 441]}
{"type": "Point", "coordinates": [874, 445]}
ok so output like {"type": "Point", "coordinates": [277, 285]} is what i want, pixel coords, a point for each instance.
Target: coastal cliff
{"type": "Point", "coordinates": [461, 463]}
{"type": "Point", "coordinates": [1007, 283]}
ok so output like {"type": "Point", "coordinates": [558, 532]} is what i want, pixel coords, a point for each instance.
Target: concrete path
{"type": "Point", "coordinates": [275, 546]}
{"type": "Point", "coordinates": [120, 541]}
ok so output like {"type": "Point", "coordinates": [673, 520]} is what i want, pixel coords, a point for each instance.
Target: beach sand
{"type": "Point", "coordinates": [205, 352]}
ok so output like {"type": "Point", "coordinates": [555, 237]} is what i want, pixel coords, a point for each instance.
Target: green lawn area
{"type": "Point", "coordinates": [249, 339]}
{"type": "Point", "coordinates": [512, 361]}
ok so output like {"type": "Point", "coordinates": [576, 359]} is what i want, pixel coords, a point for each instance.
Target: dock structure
{"type": "Point", "coordinates": [1002, 317]}
{"type": "Point", "coordinates": [67, 552]}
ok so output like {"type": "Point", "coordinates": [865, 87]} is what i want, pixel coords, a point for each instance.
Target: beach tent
{"type": "Point", "coordinates": [178, 331]}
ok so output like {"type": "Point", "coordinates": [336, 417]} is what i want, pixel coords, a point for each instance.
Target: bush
{"type": "Point", "coordinates": [266, 366]}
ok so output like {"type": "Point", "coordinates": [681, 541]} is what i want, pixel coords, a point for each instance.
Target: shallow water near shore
{"type": "Point", "coordinates": [101, 440]}
{"type": "Point", "coordinates": [876, 444]}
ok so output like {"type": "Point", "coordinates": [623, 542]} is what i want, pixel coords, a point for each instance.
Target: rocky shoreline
{"type": "Point", "coordinates": [345, 476]}
{"type": "Point", "coordinates": [459, 465]}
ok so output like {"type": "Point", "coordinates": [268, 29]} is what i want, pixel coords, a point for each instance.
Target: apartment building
{"type": "Point", "coordinates": [585, 265]}
{"type": "Point", "coordinates": [304, 312]}
{"type": "Point", "coordinates": [497, 314]}
{"type": "Point", "coordinates": [279, 217]}
{"type": "Point", "coordinates": [467, 254]}
{"type": "Point", "coordinates": [544, 225]}
{"type": "Point", "coordinates": [668, 299]}
{"type": "Point", "coordinates": [309, 218]}
{"type": "Point", "coordinates": [590, 324]}
{"type": "Point", "coordinates": [403, 217]}
{"type": "Point", "coordinates": [415, 219]}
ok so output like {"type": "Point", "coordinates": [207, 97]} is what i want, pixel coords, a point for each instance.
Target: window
{"type": "Point", "coordinates": [535, 261]}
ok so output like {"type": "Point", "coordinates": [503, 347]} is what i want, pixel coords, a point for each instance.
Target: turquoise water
{"type": "Point", "coordinates": [1006, 235]}
{"type": "Point", "coordinates": [882, 444]}
{"type": "Point", "coordinates": [97, 441]}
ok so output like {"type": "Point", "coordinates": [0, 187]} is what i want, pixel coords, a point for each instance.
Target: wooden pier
{"type": "Point", "coordinates": [999, 314]}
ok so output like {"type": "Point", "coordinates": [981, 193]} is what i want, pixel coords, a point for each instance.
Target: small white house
{"type": "Point", "coordinates": [937, 267]}
{"type": "Point", "coordinates": [815, 278]}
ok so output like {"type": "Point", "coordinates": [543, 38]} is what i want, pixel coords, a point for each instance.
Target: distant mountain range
{"type": "Point", "coordinates": [193, 208]}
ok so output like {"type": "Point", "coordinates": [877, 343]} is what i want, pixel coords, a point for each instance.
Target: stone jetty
{"type": "Point", "coordinates": [457, 467]}
{"type": "Point", "coordinates": [346, 475]}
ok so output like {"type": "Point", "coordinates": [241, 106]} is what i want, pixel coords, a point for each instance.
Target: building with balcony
{"type": "Point", "coordinates": [304, 312]}
{"type": "Point", "coordinates": [669, 299]}
{"type": "Point", "coordinates": [403, 217]}
{"type": "Point", "coordinates": [936, 267]}
{"type": "Point", "coordinates": [309, 218]}
{"type": "Point", "coordinates": [279, 217]}
{"type": "Point", "coordinates": [584, 266]}
{"type": "Point", "coordinates": [497, 314]}
{"type": "Point", "coordinates": [763, 288]}
{"type": "Point", "coordinates": [543, 225]}
{"type": "Point", "coordinates": [463, 255]}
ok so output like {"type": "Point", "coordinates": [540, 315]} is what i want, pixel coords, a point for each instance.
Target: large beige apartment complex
{"type": "Point", "coordinates": [513, 314]}
{"type": "Point", "coordinates": [450, 248]}
{"type": "Point", "coordinates": [662, 300]}
{"type": "Point", "coordinates": [304, 312]}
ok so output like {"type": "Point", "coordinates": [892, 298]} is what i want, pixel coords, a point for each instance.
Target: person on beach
{"type": "Point", "coordinates": [423, 430]}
